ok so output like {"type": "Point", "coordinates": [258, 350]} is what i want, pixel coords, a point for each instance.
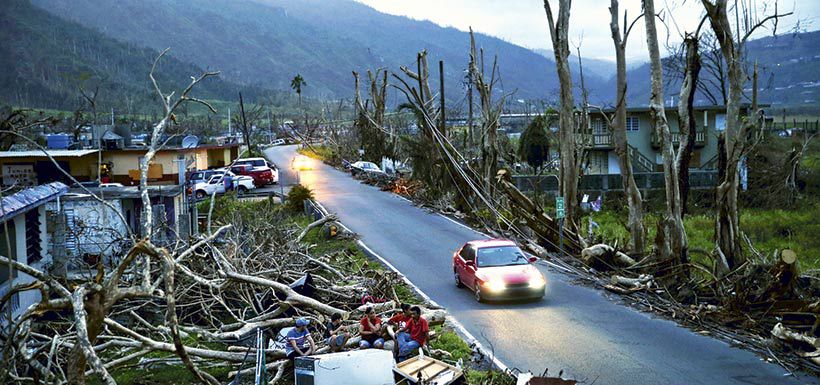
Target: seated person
{"type": "Point", "coordinates": [336, 334]}
{"type": "Point", "coordinates": [396, 323]}
{"type": "Point", "coordinates": [299, 341]}
{"type": "Point", "coordinates": [371, 330]}
{"type": "Point", "coordinates": [413, 335]}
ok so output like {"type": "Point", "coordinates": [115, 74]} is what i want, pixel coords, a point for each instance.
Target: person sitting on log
{"type": "Point", "coordinates": [396, 323]}
{"type": "Point", "coordinates": [413, 335]}
{"type": "Point", "coordinates": [371, 330]}
{"type": "Point", "coordinates": [336, 334]}
{"type": "Point", "coordinates": [300, 343]}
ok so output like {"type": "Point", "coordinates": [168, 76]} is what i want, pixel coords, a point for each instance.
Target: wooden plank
{"type": "Point", "coordinates": [414, 367]}
{"type": "Point", "coordinates": [407, 362]}
{"type": "Point", "coordinates": [422, 368]}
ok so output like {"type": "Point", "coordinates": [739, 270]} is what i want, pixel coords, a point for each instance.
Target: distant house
{"type": "Point", "coordinates": [119, 164]}
{"type": "Point", "coordinates": [31, 168]}
{"type": "Point", "coordinates": [644, 143]}
{"type": "Point", "coordinates": [164, 169]}
{"type": "Point", "coordinates": [24, 237]}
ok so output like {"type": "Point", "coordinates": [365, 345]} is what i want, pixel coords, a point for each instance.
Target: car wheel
{"type": "Point", "coordinates": [242, 190]}
{"type": "Point", "coordinates": [458, 279]}
{"type": "Point", "coordinates": [478, 296]}
{"type": "Point", "coordinates": [200, 194]}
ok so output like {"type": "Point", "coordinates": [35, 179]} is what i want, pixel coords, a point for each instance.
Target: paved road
{"type": "Point", "coordinates": [574, 328]}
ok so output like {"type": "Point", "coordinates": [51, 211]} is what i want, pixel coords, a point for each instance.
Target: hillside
{"type": "Point", "coordinates": [266, 42]}
{"type": "Point", "coordinates": [601, 68]}
{"type": "Point", "coordinates": [44, 59]}
{"type": "Point", "coordinates": [789, 67]}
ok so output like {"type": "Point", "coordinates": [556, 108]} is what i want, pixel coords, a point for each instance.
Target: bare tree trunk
{"type": "Point", "coordinates": [568, 173]}
{"type": "Point", "coordinates": [634, 199]}
{"type": "Point", "coordinates": [736, 134]}
{"type": "Point", "coordinates": [727, 229]}
{"type": "Point", "coordinates": [674, 245]}
{"type": "Point", "coordinates": [490, 114]}
{"type": "Point", "coordinates": [686, 118]}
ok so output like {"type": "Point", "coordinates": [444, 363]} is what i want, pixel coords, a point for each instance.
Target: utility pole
{"type": "Point", "coordinates": [441, 97]}
{"type": "Point", "coordinates": [270, 127]}
{"type": "Point", "coordinates": [230, 133]}
{"type": "Point", "coordinates": [470, 105]}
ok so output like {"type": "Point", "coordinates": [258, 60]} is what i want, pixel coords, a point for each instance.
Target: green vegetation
{"type": "Point", "coordinates": [296, 198]}
{"type": "Point", "coordinates": [769, 230]}
{"type": "Point", "coordinates": [321, 40]}
{"type": "Point", "coordinates": [323, 153]}
{"type": "Point", "coordinates": [534, 145]}
{"type": "Point", "coordinates": [45, 58]}
{"type": "Point", "coordinates": [129, 374]}
{"type": "Point", "coordinates": [451, 342]}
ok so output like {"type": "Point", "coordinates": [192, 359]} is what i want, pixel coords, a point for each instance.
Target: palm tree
{"type": "Point", "coordinates": [297, 83]}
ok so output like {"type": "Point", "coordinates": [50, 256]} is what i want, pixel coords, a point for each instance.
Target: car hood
{"type": "Point", "coordinates": [510, 274]}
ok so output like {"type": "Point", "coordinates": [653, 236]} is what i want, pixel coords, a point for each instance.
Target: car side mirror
{"type": "Point", "coordinates": [533, 259]}
{"type": "Point", "coordinates": [470, 263]}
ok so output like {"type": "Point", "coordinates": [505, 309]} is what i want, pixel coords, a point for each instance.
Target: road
{"type": "Point", "coordinates": [575, 328]}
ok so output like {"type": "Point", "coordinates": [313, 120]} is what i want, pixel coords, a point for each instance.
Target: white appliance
{"type": "Point", "coordinates": [360, 367]}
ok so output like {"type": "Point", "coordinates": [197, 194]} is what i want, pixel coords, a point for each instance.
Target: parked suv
{"type": "Point", "coordinates": [262, 171]}
{"type": "Point", "coordinates": [220, 181]}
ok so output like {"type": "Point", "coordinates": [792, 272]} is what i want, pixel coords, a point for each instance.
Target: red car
{"type": "Point", "coordinates": [259, 169]}
{"type": "Point", "coordinates": [497, 269]}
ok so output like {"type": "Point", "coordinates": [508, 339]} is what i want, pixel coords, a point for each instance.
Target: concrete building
{"type": "Point", "coordinates": [124, 162]}
{"type": "Point", "coordinates": [31, 168]}
{"type": "Point", "coordinates": [24, 237]}
{"type": "Point", "coordinates": [645, 146]}
{"type": "Point", "coordinates": [120, 165]}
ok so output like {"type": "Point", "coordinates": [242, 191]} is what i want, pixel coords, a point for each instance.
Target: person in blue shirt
{"type": "Point", "coordinates": [299, 341]}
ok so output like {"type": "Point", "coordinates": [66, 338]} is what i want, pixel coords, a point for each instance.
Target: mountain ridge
{"type": "Point", "coordinates": [266, 42]}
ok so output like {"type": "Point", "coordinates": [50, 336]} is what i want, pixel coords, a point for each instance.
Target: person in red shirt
{"type": "Point", "coordinates": [400, 319]}
{"type": "Point", "coordinates": [370, 327]}
{"type": "Point", "coordinates": [414, 334]}
{"type": "Point", "coordinates": [395, 324]}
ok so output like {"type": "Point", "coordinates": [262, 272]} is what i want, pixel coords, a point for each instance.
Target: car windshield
{"type": "Point", "coordinates": [258, 163]}
{"type": "Point", "coordinates": [500, 256]}
{"type": "Point", "coordinates": [368, 165]}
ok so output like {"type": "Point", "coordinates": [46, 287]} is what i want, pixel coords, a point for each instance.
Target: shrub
{"type": "Point", "coordinates": [296, 198]}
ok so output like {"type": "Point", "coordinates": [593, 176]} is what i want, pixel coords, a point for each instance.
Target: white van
{"type": "Point", "coordinates": [278, 142]}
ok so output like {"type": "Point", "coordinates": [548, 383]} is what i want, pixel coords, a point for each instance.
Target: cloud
{"type": "Point", "coordinates": [524, 22]}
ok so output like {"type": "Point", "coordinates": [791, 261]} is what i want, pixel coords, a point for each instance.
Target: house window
{"type": "Point", "coordinates": [598, 126]}
{"type": "Point", "coordinates": [720, 122]}
{"type": "Point", "coordinates": [598, 162]}
{"type": "Point", "coordinates": [633, 123]}
{"type": "Point", "coordinates": [34, 251]}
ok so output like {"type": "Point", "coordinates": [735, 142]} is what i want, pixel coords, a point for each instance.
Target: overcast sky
{"type": "Point", "coordinates": [524, 22]}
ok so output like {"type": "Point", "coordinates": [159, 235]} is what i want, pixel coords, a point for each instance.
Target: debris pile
{"type": "Point", "coordinates": [202, 302]}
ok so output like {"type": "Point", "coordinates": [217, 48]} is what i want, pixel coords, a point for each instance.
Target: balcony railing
{"type": "Point", "coordinates": [700, 139]}
{"type": "Point", "coordinates": [597, 140]}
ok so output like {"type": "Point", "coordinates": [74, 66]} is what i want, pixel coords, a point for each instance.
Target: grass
{"type": "Point", "coordinates": [322, 153]}
{"type": "Point", "coordinates": [769, 230]}
{"type": "Point", "coordinates": [168, 374]}
{"type": "Point", "coordinates": [323, 246]}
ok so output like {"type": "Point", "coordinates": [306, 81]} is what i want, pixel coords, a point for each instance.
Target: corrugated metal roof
{"type": "Point", "coordinates": [40, 153]}
{"type": "Point", "coordinates": [29, 198]}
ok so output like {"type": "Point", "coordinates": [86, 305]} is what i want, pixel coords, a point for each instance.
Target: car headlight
{"type": "Point", "coordinates": [537, 280]}
{"type": "Point", "coordinates": [495, 285]}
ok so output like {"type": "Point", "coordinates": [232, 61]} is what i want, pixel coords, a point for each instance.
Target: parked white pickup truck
{"type": "Point", "coordinates": [220, 180]}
